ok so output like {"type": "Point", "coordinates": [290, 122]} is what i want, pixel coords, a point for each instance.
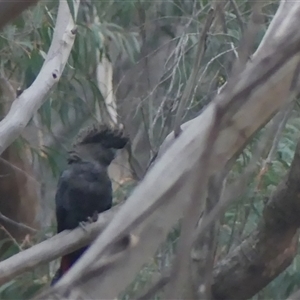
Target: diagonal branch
{"type": "Point", "coordinates": [269, 249]}
{"type": "Point", "coordinates": [32, 98]}
{"type": "Point", "coordinates": [20, 226]}
{"type": "Point", "coordinates": [279, 223]}
{"type": "Point", "coordinates": [196, 186]}
{"type": "Point", "coordinates": [256, 98]}
{"type": "Point", "coordinates": [191, 83]}
{"type": "Point", "coordinates": [247, 102]}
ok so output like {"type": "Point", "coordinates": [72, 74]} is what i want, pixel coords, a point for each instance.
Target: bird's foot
{"type": "Point", "coordinates": [94, 217]}
{"type": "Point", "coordinates": [89, 220]}
{"type": "Point", "coordinates": [83, 225]}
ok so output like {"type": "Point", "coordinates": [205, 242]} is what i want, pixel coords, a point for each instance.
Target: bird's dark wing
{"type": "Point", "coordinates": [61, 198]}
{"type": "Point", "coordinates": [83, 189]}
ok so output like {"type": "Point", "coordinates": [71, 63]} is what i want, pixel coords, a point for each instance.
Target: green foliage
{"type": "Point", "coordinates": [28, 284]}
{"type": "Point", "coordinates": [241, 218]}
{"type": "Point", "coordinates": [23, 48]}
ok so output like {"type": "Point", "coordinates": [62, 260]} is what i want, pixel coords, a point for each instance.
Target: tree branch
{"type": "Point", "coordinates": [197, 182]}
{"type": "Point", "coordinates": [156, 204]}
{"type": "Point", "coordinates": [32, 98]}
{"type": "Point", "coordinates": [246, 103]}
{"type": "Point", "coordinates": [280, 223]}
{"type": "Point", "coordinates": [191, 83]}
{"type": "Point", "coordinates": [19, 225]}
{"type": "Point", "coordinates": [53, 248]}
{"type": "Point", "coordinates": [270, 249]}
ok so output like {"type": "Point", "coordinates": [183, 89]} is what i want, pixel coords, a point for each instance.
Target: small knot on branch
{"type": "Point", "coordinates": [55, 74]}
{"type": "Point", "coordinates": [74, 30]}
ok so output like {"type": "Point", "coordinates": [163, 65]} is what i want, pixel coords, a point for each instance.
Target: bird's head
{"type": "Point", "coordinates": [98, 143]}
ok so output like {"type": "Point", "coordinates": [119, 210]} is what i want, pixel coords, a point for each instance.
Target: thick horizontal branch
{"type": "Point", "coordinates": [59, 245]}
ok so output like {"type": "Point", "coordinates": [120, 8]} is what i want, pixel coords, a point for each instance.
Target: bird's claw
{"type": "Point", "coordinates": [83, 224]}
{"type": "Point", "coordinates": [94, 217]}
{"type": "Point", "coordinates": [89, 220]}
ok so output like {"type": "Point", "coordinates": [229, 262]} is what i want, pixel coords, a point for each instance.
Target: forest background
{"type": "Point", "coordinates": [152, 66]}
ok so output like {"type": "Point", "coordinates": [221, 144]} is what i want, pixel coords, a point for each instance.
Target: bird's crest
{"type": "Point", "coordinates": [102, 134]}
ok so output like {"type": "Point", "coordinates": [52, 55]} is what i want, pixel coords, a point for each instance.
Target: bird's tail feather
{"type": "Point", "coordinates": [67, 261]}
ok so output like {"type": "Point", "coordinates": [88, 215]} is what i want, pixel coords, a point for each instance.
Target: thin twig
{"type": "Point", "coordinates": [280, 121]}
{"type": "Point", "coordinates": [19, 225]}
{"type": "Point", "coordinates": [235, 189]}
{"type": "Point", "coordinates": [247, 42]}
{"type": "Point", "coordinates": [194, 74]}
{"type": "Point", "coordinates": [11, 238]}
{"type": "Point", "coordinates": [204, 249]}
{"type": "Point", "coordinates": [19, 170]}
{"type": "Point", "coordinates": [237, 14]}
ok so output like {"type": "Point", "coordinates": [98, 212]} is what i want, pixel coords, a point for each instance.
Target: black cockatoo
{"type": "Point", "coordinates": [84, 188]}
